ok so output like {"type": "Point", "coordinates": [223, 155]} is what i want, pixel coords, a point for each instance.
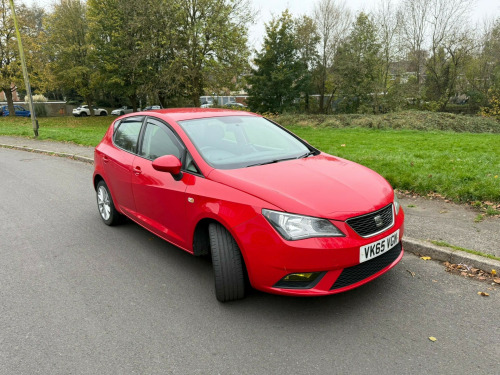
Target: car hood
{"type": "Point", "coordinates": [321, 186]}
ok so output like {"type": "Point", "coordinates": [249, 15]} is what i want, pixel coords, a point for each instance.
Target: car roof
{"type": "Point", "coordinates": [180, 114]}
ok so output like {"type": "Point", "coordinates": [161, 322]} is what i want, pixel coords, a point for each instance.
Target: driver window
{"type": "Point", "coordinates": [158, 141]}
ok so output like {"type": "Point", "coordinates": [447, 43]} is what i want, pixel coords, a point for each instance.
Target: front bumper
{"type": "Point", "coordinates": [269, 258]}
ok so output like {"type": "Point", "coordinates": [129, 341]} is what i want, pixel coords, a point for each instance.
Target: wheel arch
{"type": "Point", "coordinates": [98, 178]}
{"type": "Point", "coordinates": [201, 238]}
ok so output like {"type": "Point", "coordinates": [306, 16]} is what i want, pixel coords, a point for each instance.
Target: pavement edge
{"type": "Point", "coordinates": [444, 254]}
{"type": "Point", "coordinates": [47, 152]}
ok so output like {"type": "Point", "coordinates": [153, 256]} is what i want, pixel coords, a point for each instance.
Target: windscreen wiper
{"type": "Point", "coordinates": [270, 162]}
{"type": "Point", "coordinates": [306, 155]}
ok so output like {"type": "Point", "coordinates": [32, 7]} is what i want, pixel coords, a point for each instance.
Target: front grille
{"type": "Point", "coordinates": [366, 269]}
{"type": "Point", "coordinates": [372, 223]}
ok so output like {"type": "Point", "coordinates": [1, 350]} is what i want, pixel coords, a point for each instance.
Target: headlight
{"type": "Point", "coordinates": [296, 227]}
{"type": "Point", "coordinates": [396, 203]}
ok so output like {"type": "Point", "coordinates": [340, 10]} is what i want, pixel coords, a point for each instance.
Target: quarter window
{"type": "Point", "coordinates": [158, 141]}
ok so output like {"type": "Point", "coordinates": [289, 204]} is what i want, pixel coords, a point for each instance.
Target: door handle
{"type": "Point", "coordinates": [105, 159]}
{"type": "Point", "coordinates": [137, 170]}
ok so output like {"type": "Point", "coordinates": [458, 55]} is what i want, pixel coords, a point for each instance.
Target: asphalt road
{"type": "Point", "coordinates": [78, 297]}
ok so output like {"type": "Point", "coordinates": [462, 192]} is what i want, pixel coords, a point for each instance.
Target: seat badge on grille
{"type": "Point", "coordinates": [378, 221]}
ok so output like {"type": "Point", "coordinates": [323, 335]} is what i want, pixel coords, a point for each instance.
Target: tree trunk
{"type": "Point", "coordinates": [133, 101]}
{"type": "Point", "coordinates": [163, 99]}
{"type": "Point", "coordinates": [10, 102]}
{"type": "Point", "coordinates": [88, 100]}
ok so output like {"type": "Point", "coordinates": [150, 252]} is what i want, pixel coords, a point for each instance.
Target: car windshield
{"type": "Point", "coordinates": [242, 141]}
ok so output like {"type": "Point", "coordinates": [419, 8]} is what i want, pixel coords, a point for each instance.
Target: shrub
{"type": "Point", "coordinates": [38, 98]}
{"type": "Point", "coordinates": [40, 110]}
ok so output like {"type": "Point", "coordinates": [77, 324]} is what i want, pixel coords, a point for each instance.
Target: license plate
{"type": "Point", "coordinates": [379, 247]}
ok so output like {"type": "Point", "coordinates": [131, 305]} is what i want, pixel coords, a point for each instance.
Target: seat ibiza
{"type": "Point", "coordinates": [268, 207]}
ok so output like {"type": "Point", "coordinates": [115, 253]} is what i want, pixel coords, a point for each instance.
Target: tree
{"type": "Point", "coordinates": [117, 39]}
{"type": "Point", "coordinates": [308, 39]}
{"type": "Point", "coordinates": [71, 65]}
{"type": "Point", "coordinates": [358, 67]}
{"type": "Point", "coordinates": [388, 27]}
{"type": "Point", "coordinates": [412, 17]}
{"type": "Point", "coordinates": [333, 20]}
{"type": "Point", "coordinates": [486, 67]}
{"type": "Point", "coordinates": [213, 36]}
{"type": "Point", "coordinates": [450, 47]}
{"type": "Point", "coordinates": [10, 65]}
{"type": "Point", "coordinates": [278, 79]}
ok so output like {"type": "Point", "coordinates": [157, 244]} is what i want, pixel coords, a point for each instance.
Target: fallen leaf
{"type": "Point", "coordinates": [432, 338]}
{"type": "Point", "coordinates": [425, 258]}
{"type": "Point", "coordinates": [483, 294]}
{"type": "Point", "coordinates": [434, 281]}
{"type": "Point", "coordinates": [411, 273]}
{"type": "Point", "coordinates": [493, 272]}
{"type": "Point", "coordinates": [496, 280]}
{"type": "Point", "coordinates": [342, 145]}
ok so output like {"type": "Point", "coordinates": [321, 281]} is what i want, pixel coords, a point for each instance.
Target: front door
{"type": "Point", "coordinates": [160, 200]}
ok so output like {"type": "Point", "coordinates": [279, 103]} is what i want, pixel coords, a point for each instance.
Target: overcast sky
{"type": "Point", "coordinates": [269, 8]}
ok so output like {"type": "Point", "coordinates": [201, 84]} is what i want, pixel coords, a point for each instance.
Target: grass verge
{"type": "Point", "coordinates": [87, 131]}
{"type": "Point", "coordinates": [445, 244]}
{"type": "Point", "coordinates": [463, 167]}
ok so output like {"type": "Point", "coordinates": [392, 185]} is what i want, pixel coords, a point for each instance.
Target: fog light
{"type": "Point", "coordinates": [308, 276]}
{"type": "Point", "coordinates": [303, 280]}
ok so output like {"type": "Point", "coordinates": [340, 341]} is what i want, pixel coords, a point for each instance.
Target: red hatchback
{"type": "Point", "coordinates": [265, 204]}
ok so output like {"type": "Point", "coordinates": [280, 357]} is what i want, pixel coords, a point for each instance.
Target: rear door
{"type": "Point", "coordinates": [118, 162]}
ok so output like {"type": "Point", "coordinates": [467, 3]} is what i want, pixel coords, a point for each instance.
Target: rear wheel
{"type": "Point", "coordinates": [227, 264]}
{"type": "Point", "coordinates": [105, 204]}
{"type": "Point", "coordinates": [83, 114]}
{"type": "Point", "coordinates": [104, 113]}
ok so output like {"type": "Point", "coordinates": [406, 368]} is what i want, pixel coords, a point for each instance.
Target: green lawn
{"type": "Point", "coordinates": [86, 131]}
{"type": "Point", "coordinates": [460, 166]}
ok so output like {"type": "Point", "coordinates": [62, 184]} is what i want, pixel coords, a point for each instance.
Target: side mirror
{"type": "Point", "coordinates": [169, 164]}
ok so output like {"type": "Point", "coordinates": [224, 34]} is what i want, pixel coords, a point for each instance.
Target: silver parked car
{"type": "Point", "coordinates": [122, 110]}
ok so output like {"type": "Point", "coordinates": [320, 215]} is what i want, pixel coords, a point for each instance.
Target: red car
{"type": "Point", "coordinates": [266, 205]}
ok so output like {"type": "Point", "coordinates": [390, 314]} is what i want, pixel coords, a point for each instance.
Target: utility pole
{"type": "Point", "coordinates": [34, 121]}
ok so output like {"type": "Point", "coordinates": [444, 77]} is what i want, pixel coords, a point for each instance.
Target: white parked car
{"type": "Point", "coordinates": [84, 110]}
{"type": "Point", "coordinates": [122, 110]}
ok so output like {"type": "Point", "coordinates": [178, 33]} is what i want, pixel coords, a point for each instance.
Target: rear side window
{"type": "Point", "coordinates": [127, 134]}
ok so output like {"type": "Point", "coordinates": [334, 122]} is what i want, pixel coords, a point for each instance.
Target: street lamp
{"type": "Point", "coordinates": [34, 121]}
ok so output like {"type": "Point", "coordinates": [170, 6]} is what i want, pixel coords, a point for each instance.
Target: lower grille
{"type": "Point", "coordinates": [366, 269]}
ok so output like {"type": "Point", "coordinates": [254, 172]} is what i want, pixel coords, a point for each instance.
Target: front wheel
{"type": "Point", "coordinates": [104, 113]}
{"type": "Point", "coordinates": [83, 114]}
{"type": "Point", "coordinates": [105, 204]}
{"type": "Point", "coordinates": [227, 263]}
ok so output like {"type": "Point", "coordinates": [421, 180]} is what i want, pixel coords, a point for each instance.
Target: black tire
{"type": "Point", "coordinates": [83, 114]}
{"type": "Point", "coordinates": [227, 264]}
{"type": "Point", "coordinates": [103, 113]}
{"type": "Point", "coordinates": [105, 205]}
